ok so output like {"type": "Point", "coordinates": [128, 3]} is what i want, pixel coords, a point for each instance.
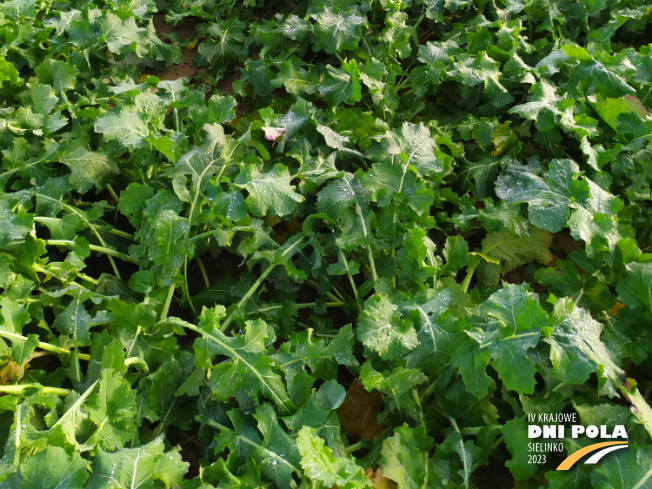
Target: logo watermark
{"type": "Point", "coordinates": [551, 429]}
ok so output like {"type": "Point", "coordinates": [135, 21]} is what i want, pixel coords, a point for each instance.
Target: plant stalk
{"type": "Point", "coordinates": [44, 346]}
{"type": "Point", "coordinates": [20, 388]}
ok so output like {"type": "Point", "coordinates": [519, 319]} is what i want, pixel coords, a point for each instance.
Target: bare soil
{"type": "Point", "coordinates": [187, 30]}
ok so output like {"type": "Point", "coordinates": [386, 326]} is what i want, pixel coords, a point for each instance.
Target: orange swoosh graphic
{"type": "Point", "coordinates": [575, 456]}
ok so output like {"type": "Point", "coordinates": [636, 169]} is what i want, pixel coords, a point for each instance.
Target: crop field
{"type": "Point", "coordinates": [380, 244]}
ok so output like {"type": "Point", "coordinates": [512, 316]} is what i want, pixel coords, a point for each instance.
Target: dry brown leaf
{"type": "Point", "coordinates": [284, 229]}
{"type": "Point", "coordinates": [567, 244]}
{"type": "Point", "coordinates": [617, 307]}
{"type": "Point", "coordinates": [378, 480]}
{"type": "Point", "coordinates": [11, 372]}
{"type": "Point", "coordinates": [359, 412]}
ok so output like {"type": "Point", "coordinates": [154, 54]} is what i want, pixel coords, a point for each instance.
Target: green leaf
{"type": "Point", "coordinates": [412, 147]}
{"type": "Point", "coordinates": [120, 34]}
{"type": "Point", "coordinates": [372, 74]}
{"type": "Point", "coordinates": [269, 193]}
{"type": "Point", "coordinates": [438, 329]}
{"type": "Point", "coordinates": [564, 280]}
{"type": "Point", "coordinates": [43, 98]}
{"type": "Point", "coordinates": [133, 201]}
{"type": "Point", "coordinates": [511, 252]}
{"type": "Point", "coordinates": [205, 159]}
{"type": "Point", "coordinates": [88, 169]}
{"type": "Point", "coordinates": [226, 42]}
{"type": "Point", "coordinates": [335, 140]}
{"type": "Point", "coordinates": [8, 71]}
{"type": "Point", "coordinates": [276, 454]}
{"type": "Point", "coordinates": [576, 349]}
{"type": "Point", "coordinates": [127, 127]}
{"type": "Point", "coordinates": [631, 467]}
{"type": "Point", "coordinates": [404, 457]}
{"type": "Point", "coordinates": [472, 70]}
{"type": "Point", "coordinates": [325, 422]}
{"type": "Point", "coordinates": [166, 249]}
{"type": "Point", "coordinates": [341, 85]}
{"type": "Point", "coordinates": [137, 468]}
{"type": "Point", "coordinates": [636, 289]}
{"type": "Point", "coordinates": [112, 407]}
{"type": "Point", "coordinates": [75, 320]}
{"type": "Point", "coordinates": [603, 77]}
{"type": "Point", "coordinates": [258, 77]}
{"type": "Point", "coordinates": [456, 253]}
{"type": "Point", "coordinates": [513, 320]}
{"type": "Point", "coordinates": [517, 441]}
{"type": "Point", "coordinates": [22, 350]}
{"type": "Point", "coordinates": [222, 108]}
{"type": "Point", "coordinates": [319, 464]}
{"type": "Point", "coordinates": [280, 455]}
{"type": "Point", "coordinates": [398, 385]}
{"type": "Point", "coordinates": [16, 9]}
{"type": "Point", "coordinates": [398, 34]}
{"type": "Point", "coordinates": [453, 448]}
{"type": "Point", "coordinates": [502, 216]}
{"type": "Point", "coordinates": [294, 77]}
{"type": "Point", "coordinates": [336, 30]}
{"type": "Point", "coordinates": [549, 198]}
{"type": "Point", "coordinates": [382, 330]}
{"type": "Point", "coordinates": [472, 365]}
{"type": "Point", "coordinates": [611, 109]}
{"type": "Point", "coordinates": [57, 73]}
{"type": "Point", "coordinates": [314, 169]}
{"type": "Point", "coordinates": [246, 369]}
{"type": "Point", "coordinates": [12, 227]}
{"type": "Point", "coordinates": [53, 468]}
{"type": "Point", "coordinates": [395, 179]}
{"type": "Point", "coordinates": [302, 353]}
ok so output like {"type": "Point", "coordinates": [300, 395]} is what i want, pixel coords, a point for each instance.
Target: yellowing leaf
{"type": "Point", "coordinates": [378, 480]}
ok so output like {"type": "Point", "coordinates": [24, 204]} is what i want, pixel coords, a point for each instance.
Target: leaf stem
{"type": "Point", "coordinates": [202, 269]}
{"type": "Point", "coordinates": [247, 296]}
{"type": "Point", "coordinates": [122, 234]}
{"type": "Point", "coordinates": [299, 306]}
{"type": "Point", "coordinates": [340, 294]}
{"type": "Point", "coordinates": [474, 430]}
{"type": "Point", "coordinates": [168, 301]}
{"type": "Point", "coordinates": [88, 278]}
{"type": "Point", "coordinates": [76, 404]}
{"type": "Point", "coordinates": [640, 407]}
{"type": "Point", "coordinates": [92, 227]}
{"type": "Point", "coordinates": [111, 230]}
{"type": "Point", "coordinates": [417, 400]}
{"type": "Point", "coordinates": [20, 388]}
{"type": "Point", "coordinates": [257, 446]}
{"type": "Point", "coordinates": [112, 192]}
{"type": "Point", "coordinates": [428, 391]}
{"type": "Point", "coordinates": [351, 281]}
{"type": "Point", "coordinates": [470, 269]}
{"type": "Point", "coordinates": [356, 446]}
{"type": "Point", "coordinates": [646, 96]}
{"type": "Point", "coordinates": [186, 287]}
{"type": "Point", "coordinates": [234, 353]}
{"type": "Point", "coordinates": [133, 342]}
{"type": "Point", "coordinates": [372, 263]}
{"type": "Point", "coordinates": [465, 463]}
{"type": "Point", "coordinates": [100, 249]}
{"type": "Point", "coordinates": [257, 284]}
{"type": "Point", "coordinates": [43, 346]}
